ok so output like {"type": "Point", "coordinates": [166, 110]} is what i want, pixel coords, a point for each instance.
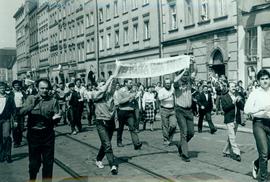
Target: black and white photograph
{"type": "Point", "coordinates": [134, 90]}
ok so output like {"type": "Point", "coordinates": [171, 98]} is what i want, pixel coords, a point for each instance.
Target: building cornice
{"type": "Point", "coordinates": [194, 36]}
{"type": "Point", "coordinates": [19, 12]}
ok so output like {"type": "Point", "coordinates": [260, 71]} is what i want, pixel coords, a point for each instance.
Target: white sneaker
{"type": "Point", "coordinates": [114, 170]}
{"type": "Point", "coordinates": [99, 164]}
{"type": "Point", "coordinates": [74, 133]}
{"type": "Point", "coordinates": [255, 170]}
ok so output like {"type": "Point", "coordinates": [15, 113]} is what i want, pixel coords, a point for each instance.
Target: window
{"type": "Point", "coordinates": [134, 4]}
{"type": "Point", "coordinates": [124, 6]}
{"type": "Point", "coordinates": [117, 38]}
{"type": "Point", "coordinates": [189, 18]}
{"type": "Point", "coordinates": [91, 18]}
{"type": "Point", "coordinates": [108, 41]}
{"type": "Point", "coordinates": [204, 10]}
{"type": "Point", "coordinates": [115, 6]}
{"type": "Point", "coordinates": [173, 21]}
{"type": "Point", "coordinates": [83, 55]}
{"type": "Point", "coordinates": [82, 27]}
{"type": "Point", "coordinates": [108, 14]}
{"type": "Point", "coordinates": [135, 32]}
{"type": "Point", "coordinates": [146, 30]}
{"type": "Point", "coordinates": [100, 15]}
{"type": "Point", "coordinates": [79, 52]}
{"type": "Point", "coordinates": [251, 42]}
{"type": "Point", "coordinates": [220, 8]}
{"type": "Point", "coordinates": [145, 2]}
{"type": "Point", "coordinates": [87, 20]}
{"type": "Point", "coordinates": [101, 42]}
{"type": "Point", "coordinates": [126, 35]}
{"type": "Point", "coordinates": [88, 46]}
{"type": "Point", "coordinates": [92, 45]}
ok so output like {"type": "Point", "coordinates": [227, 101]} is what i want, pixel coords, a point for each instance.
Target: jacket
{"type": "Point", "coordinates": [230, 114]}
{"type": "Point", "coordinates": [208, 104]}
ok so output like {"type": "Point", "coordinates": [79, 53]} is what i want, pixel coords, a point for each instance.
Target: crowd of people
{"type": "Point", "coordinates": [108, 104]}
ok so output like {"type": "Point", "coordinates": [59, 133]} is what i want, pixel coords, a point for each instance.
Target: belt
{"type": "Point", "coordinates": [185, 108]}
{"type": "Point", "coordinates": [167, 107]}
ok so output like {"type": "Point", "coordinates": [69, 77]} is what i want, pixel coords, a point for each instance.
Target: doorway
{"type": "Point", "coordinates": [218, 64]}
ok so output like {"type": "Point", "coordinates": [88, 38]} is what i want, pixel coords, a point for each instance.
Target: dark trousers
{"type": "Point", "coordinates": [127, 117]}
{"type": "Point", "coordinates": [5, 140]}
{"type": "Point", "coordinates": [80, 107]}
{"type": "Point", "coordinates": [208, 118]}
{"type": "Point", "coordinates": [218, 103]}
{"type": "Point", "coordinates": [41, 151]}
{"type": "Point", "coordinates": [186, 125]}
{"type": "Point", "coordinates": [137, 118]}
{"type": "Point", "coordinates": [261, 132]}
{"type": "Point", "coordinates": [75, 120]}
{"type": "Point", "coordinates": [90, 112]}
{"type": "Point", "coordinates": [17, 132]}
{"type": "Point", "coordinates": [105, 131]}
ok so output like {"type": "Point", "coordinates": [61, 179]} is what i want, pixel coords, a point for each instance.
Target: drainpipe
{"type": "Point", "coordinates": [160, 31]}
{"type": "Point", "coordinates": [97, 40]}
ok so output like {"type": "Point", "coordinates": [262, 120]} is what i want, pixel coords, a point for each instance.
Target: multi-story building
{"type": "Point", "coordinates": [254, 38]}
{"type": "Point", "coordinates": [83, 38]}
{"type": "Point", "coordinates": [33, 45]}
{"type": "Point", "coordinates": [127, 30]}
{"type": "Point", "coordinates": [91, 58]}
{"type": "Point", "coordinates": [43, 38]}
{"type": "Point", "coordinates": [22, 64]}
{"type": "Point", "coordinates": [7, 61]}
{"type": "Point", "coordinates": [205, 29]}
{"type": "Point", "coordinates": [53, 43]}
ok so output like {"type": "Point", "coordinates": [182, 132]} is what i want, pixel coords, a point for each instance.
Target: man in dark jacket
{"type": "Point", "coordinates": [7, 109]}
{"type": "Point", "coordinates": [74, 109]}
{"type": "Point", "coordinates": [205, 103]}
{"type": "Point", "coordinates": [231, 104]}
{"type": "Point", "coordinates": [42, 110]}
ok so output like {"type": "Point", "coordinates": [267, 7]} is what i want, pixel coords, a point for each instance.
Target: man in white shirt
{"type": "Point", "coordinates": [80, 89]}
{"type": "Point", "coordinates": [258, 106]}
{"type": "Point", "coordinates": [167, 113]}
{"type": "Point", "coordinates": [19, 97]}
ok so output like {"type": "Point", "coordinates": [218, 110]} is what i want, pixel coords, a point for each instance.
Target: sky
{"type": "Point", "coordinates": [7, 22]}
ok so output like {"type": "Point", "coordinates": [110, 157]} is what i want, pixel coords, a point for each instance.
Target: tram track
{"type": "Point", "coordinates": [133, 165]}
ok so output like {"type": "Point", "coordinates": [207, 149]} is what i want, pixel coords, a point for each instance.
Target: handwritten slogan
{"type": "Point", "coordinates": [152, 68]}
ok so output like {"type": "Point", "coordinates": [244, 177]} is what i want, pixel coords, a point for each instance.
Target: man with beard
{"type": "Point", "coordinates": [167, 113]}
{"type": "Point", "coordinates": [126, 113]}
{"type": "Point", "coordinates": [232, 103]}
{"type": "Point", "coordinates": [42, 110]}
{"type": "Point", "coordinates": [258, 106]}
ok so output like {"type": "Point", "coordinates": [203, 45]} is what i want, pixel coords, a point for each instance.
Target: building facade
{"type": "Point", "coordinates": [205, 29]}
{"type": "Point", "coordinates": [22, 64]}
{"type": "Point", "coordinates": [43, 39]}
{"type": "Point", "coordinates": [254, 38]}
{"type": "Point", "coordinates": [83, 38]}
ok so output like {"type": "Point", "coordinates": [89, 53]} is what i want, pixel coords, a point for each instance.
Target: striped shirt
{"type": "Point", "coordinates": [183, 96]}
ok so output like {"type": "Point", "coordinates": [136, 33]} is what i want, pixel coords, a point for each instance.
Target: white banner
{"type": "Point", "coordinates": [152, 68]}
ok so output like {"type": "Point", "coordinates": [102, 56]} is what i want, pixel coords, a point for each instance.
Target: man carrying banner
{"type": "Point", "coordinates": [183, 111]}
